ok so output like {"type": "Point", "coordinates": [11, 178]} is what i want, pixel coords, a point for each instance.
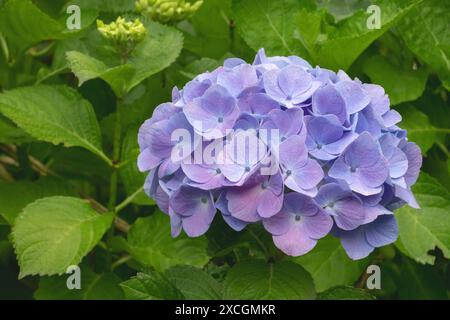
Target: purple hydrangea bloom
{"type": "Point", "coordinates": [303, 151]}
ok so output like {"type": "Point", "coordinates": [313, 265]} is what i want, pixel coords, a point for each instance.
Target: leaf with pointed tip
{"type": "Point", "coordinates": [150, 286]}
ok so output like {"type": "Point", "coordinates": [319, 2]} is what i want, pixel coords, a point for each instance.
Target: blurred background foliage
{"type": "Point", "coordinates": [64, 91]}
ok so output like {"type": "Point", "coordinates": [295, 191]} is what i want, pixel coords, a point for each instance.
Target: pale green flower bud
{"type": "Point", "coordinates": [168, 11]}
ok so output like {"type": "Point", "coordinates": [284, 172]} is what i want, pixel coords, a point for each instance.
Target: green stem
{"type": "Point", "coordinates": [128, 200]}
{"type": "Point", "coordinates": [116, 158]}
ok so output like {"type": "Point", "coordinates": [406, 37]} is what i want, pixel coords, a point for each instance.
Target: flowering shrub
{"type": "Point", "coordinates": [342, 164]}
{"type": "Point", "coordinates": [146, 153]}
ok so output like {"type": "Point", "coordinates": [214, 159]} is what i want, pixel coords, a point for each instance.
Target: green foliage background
{"type": "Point", "coordinates": [70, 191]}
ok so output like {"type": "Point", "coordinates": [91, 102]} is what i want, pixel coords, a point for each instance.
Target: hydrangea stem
{"type": "Point", "coordinates": [116, 158]}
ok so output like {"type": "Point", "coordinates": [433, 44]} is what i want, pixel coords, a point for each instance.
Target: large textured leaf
{"type": "Point", "coordinates": [9, 133]}
{"type": "Point", "coordinates": [351, 36]}
{"type": "Point", "coordinates": [268, 24]}
{"type": "Point", "coordinates": [419, 128]}
{"type": "Point", "coordinates": [150, 286]}
{"type": "Point", "coordinates": [209, 35]}
{"type": "Point", "coordinates": [424, 229]}
{"type": "Point", "coordinates": [345, 293]}
{"type": "Point", "coordinates": [256, 279]}
{"type": "Point", "coordinates": [400, 84]}
{"type": "Point", "coordinates": [106, 5]}
{"type": "Point", "coordinates": [14, 196]}
{"type": "Point", "coordinates": [330, 266]}
{"type": "Point", "coordinates": [150, 243]}
{"type": "Point", "coordinates": [158, 50]}
{"type": "Point", "coordinates": [94, 286]}
{"type": "Point", "coordinates": [56, 232]}
{"type": "Point", "coordinates": [132, 179]}
{"type": "Point", "coordinates": [194, 283]}
{"type": "Point", "coordinates": [425, 31]}
{"type": "Point", "coordinates": [55, 114]}
{"type": "Point", "coordinates": [24, 24]}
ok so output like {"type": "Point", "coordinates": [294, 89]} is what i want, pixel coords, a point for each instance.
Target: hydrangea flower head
{"type": "Point", "coordinates": [304, 151]}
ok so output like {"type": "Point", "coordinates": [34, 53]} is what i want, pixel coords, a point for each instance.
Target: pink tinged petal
{"type": "Point", "coordinates": [269, 204]}
{"type": "Point", "coordinates": [278, 224]}
{"type": "Point", "coordinates": [293, 151]}
{"type": "Point", "coordinates": [147, 161]}
{"type": "Point", "coordinates": [382, 231]}
{"type": "Point", "coordinates": [327, 100]}
{"type": "Point", "coordinates": [350, 214]}
{"type": "Point", "coordinates": [295, 242]}
{"type": "Point", "coordinates": [293, 80]}
{"type": "Point", "coordinates": [198, 172]}
{"type": "Point", "coordinates": [243, 204]}
{"type": "Point", "coordinates": [198, 223]}
{"type": "Point", "coordinates": [238, 79]}
{"type": "Point", "coordinates": [317, 226]}
{"type": "Point", "coordinates": [167, 168]}
{"type": "Point", "coordinates": [162, 200]}
{"type": "Point", "coordinates": [358, 186]}
{"type": "Point", "coordinates": [305, 177]}
{"type": "Point", "coordinates": [259, 103]}
{"type": "Point", "coordinates": [354, 96]}
{"type": "Point", "coordinates": [270, 80]}
{"type": "Point", "coordinates": [355, 244]}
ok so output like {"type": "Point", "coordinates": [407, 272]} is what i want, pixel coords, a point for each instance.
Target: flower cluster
{"type": "Point", "coordinates": [168, 10]}
{"type": "Point", "coordinates": [335, 160]}
{"type": "Point", "coordinates": [122, 31]}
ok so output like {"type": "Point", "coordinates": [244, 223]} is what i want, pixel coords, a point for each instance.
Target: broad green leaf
{"type": "Point", "coordinates": [14, 196]}
{"type": "Point", "coordinates": [422, 230]}
{"type": "Point", "coordinates": [425, 32]}
{"type": "Point", "coordinates": [157, 51]}
{"type": "Point", "coordinates": [208, 34]}
{"type": "Point", "coordinates": [418, 282]}
{"type": "Point", "coordinates": [330, 266]}
{"type": "Point", "coordinates": [132, 179]}
{"type": "Point", "coordinates": [268, 24]}
{"type": "Point", "coordinates": [23, 24]}
{"type": "Point", "coordinates": [56, 232]}
{"type": "Point", "coordinates": [150, 243]}
{"type": "Point", "coordinates": [401, 85]}
{"type": "Point", "coordinates": [105, 286]}
{"type": "Point", "coordinates": [345, 293]}
{"type": "Point", "coordinates": [55, 114]}
{"type": "Point", "coordinates": [115, 6]}
{"type": "Point", "coordinates": [256, 279]}
{"type": "Point", "coordinates": [9, 133]}
{"type": "Point", "coordinates": [419, 128]}
{"type": "Point", "coordinates": [341, 9]}
{"type": "Point", "coordinates": [150, 286]}
{"type": "Point", "coordinates": [194, 283]}
{"type": "Point", "coordinates": [351, 36]}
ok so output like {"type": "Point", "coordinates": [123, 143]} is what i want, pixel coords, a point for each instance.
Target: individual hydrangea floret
{"type": "Point", "coordinates": [303, 151]}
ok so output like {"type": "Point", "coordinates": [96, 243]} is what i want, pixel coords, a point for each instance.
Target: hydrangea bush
{"type": "Point", "coordinates": [145, 148]}
{"type": "Point", "coordinates": [342, 163]}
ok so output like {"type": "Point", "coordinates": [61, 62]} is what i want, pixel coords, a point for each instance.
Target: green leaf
{"type": "Point", "coordinates": [14, 196]}
{"type": "Point", "coordinates": [59, 115]}
{"type": "Point", "coordinates": [418, 282]}
{"type": "Point", "coordinates": [132, 179]}
{"type": "Point", "coordinates": [268, 24]}
{"type": "Point", "coordinates": [419, 128]}
{"type": "Point", "coordinates": [9, 133]}
{"type": "Point", "coordinates": [115, 6]}
{"type": "Point", "coordinates": [208, 34]}
{"type": "Point", "coordinates": [150, 286]}
{"type": "Point", "coordinates": [157, 51]}
{"type": "Point", "coordinates": [23, 24]}
{"type": "Point", "coordinates": [351, 36]}
{"type": "Point", "coordinates": [256, 279]}
{"type": "Point", "coordinates": [425, 32]}
{"type": "Point", "coordinates": [345, 293]}
{"type": "Point", "coordinates": [422, 230]}
{"type": "Point", "coordinates": [330, 266]}
{"type": "Point", "coordinates": [150, 243]}
{"type": "Point", "coordinates": [105, 286]}
{"type": "Point", "coordinates": [56, 232]}
{"type": "Point", "coordinates": [401, 85]}
{"type": "Point", "coordinates": [194, 283]}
